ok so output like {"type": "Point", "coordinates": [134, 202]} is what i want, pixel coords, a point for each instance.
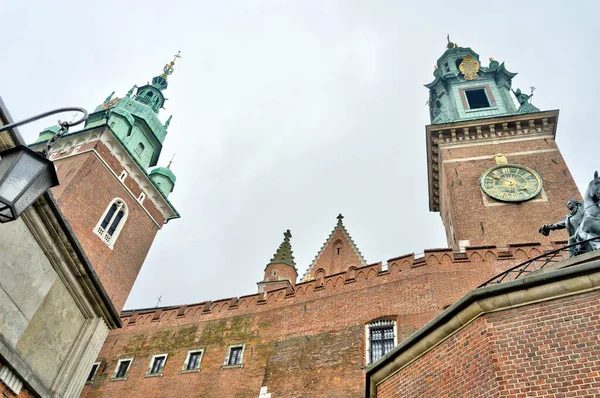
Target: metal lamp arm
{"type": "Point", "coordinates": [46, 114]}
{"type": "Point", "coordinates": [64, 126]}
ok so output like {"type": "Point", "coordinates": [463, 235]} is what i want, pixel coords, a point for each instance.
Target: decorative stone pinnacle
{"type": "Point", "coordinates": [284, 254]}
{"type": "Point", "coordinates": [340, 218]}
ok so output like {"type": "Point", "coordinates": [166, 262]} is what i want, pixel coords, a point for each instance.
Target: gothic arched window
{"type": "Point", "coordinates": [112, 221]}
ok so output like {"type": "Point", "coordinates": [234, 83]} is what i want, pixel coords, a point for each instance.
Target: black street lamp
{"type": "Point", "coordinates": [24, 174]}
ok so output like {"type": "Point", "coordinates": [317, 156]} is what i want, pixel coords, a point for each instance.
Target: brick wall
{"type": "Point", "coordinates": [87, 188]}
{"type": "Point", "coordinates": [307, 341]}
{"type": "Point", "coordinates": [548, 349]}
{"type": "Point", "coordinates": [464, 205]}
{"type": "Point", "coordinates": [8, 393]}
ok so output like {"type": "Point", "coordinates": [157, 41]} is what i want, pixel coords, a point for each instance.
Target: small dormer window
{"type": "Point", "coordinates": [139, 149]}
{"type": "Point", "coordinates": [477, 98]}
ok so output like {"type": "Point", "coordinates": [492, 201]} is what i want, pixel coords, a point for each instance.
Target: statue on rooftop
{"type": "Point", "coordinates": [525, 105]}
{"type": "Point", "coordinates": [589, 228]}
{"type": "Point", "coordinates": [570, 223]}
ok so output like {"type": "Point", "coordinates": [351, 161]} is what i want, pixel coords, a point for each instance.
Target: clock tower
{"type": "Point", "coordinates": [495, 172]}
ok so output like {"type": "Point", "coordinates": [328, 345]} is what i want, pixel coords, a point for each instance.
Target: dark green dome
{"type": "Point", "coordinates": [165, 171]}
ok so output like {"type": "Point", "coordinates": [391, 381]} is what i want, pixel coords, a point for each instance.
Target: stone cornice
{"type": "Point", "coordinates": [577, 275]}
{"type": "Point", "coordinates": [482, 131]}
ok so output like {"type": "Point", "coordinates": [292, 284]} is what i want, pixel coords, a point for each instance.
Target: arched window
{"type": "Point", "coordinates": [381, 339]}
{"type": "Point", "coordinates": [139, 149]}
{"type": "Point", "coordinates": [112, 221]}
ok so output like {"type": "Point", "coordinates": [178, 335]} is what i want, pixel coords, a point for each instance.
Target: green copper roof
{"type": "Point", "coordinates": [48, 133]}
{"type": "Point", "coordinates": [166, 171]}
{"type": "Point", "coordinates": [284, 254]}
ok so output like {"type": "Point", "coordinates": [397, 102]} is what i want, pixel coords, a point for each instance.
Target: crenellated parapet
{"type": "Point", "coordinates": [482, 262]}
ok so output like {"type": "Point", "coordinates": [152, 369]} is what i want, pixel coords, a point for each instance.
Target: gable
{"type": "Point", "coordinates": [337, 254]}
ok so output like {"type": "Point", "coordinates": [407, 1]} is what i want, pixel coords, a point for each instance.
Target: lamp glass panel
{"type": "Point", "coordinates": [23, 172]}
{"type": "Point", "coordinates": [41, 184]}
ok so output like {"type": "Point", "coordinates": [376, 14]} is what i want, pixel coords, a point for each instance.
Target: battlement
{"type": "Point", "coordinates": [485, 260]}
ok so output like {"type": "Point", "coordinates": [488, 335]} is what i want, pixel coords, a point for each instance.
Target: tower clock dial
{"type": "Point", "coordinates": [511, 183]}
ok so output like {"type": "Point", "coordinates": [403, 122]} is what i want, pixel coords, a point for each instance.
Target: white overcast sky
{"type": "Point", "coordinates": [286, 113]}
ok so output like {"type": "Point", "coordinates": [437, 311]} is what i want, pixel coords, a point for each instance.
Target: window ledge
{"type": "Point", "coordinates": [153, 375]}
{"type": "Point", "coordinates": [492, 108]}
{"type": "Point", "coordinates": [189, 371]}
{"type": "Point", "coordinates": [239, 365]}
{"type": "Point", "coordinates": [118, 378]}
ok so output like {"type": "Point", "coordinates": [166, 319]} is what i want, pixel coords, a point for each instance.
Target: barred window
{"type": "Point", "coordinates": [381, 339]}
{"type": "Point", "coordinates": [122, 368]}
{"type": "Point", "coordinates": [157, 363]}
{"type": "Point", "coordinates": [193, 360]}
{"type": "Point", "coordinates": [234, 356]}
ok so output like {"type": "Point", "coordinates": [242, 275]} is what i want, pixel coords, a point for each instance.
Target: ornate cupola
{"type": "Point", "coordinates": [164, 178]}
{"type": "Point", "coordinates": [134, 118]}
{"type": "Point", "coordinates": [281, 270]}
{"type": "Point", "coordinates": [463, 89]}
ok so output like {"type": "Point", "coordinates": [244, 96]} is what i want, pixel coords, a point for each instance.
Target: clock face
{"type": "Point", "coordinates": [511, 183]}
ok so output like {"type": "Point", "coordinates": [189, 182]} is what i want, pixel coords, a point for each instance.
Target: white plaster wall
{"type": "Point", "coordinates": [41, 318]}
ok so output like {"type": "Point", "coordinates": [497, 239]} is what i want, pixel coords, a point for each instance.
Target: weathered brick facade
{"type": "Point", "coordinates": [541, 348]}
{"type": "Point", "coordinates": [304, 342]}
{"type": "Point", "coordinates": [89, 179]}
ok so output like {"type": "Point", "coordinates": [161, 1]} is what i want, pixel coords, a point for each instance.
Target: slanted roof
{"type": "Point", "coordinates": [332, 260]}
{"type": "Point", "coordinates": [284, 254]}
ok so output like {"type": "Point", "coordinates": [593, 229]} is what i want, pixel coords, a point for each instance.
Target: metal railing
{"type": "Point", "coordinates": [536, 263]}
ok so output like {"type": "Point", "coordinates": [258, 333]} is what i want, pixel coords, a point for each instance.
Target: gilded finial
{"type": "Point", "coordinates": [435, 66]}
{"type": "Point", "coordinates": [491, 59]}
{"type": "Point", "coordinates": [168, 68]}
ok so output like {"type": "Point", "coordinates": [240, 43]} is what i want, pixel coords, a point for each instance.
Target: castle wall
{"type": "Point", "coordinates": [307, 341]}
{"type": "Point", "coordinates": [544, 349]}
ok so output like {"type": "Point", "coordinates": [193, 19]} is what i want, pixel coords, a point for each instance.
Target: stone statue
{"type": "Point", "coordinates": [525, 105]}
{"type": "Point", "coordinates": [590, 224]}
{"type": "Point", "coordinates": [570, 223]}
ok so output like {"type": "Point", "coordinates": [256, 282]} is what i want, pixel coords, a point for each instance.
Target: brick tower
{"type": "Point", "coordinates": [113, 201]}
{"type": "Point", "coordinates": [495, 172]}
{"type": "Point", "coordinates": [281, 270]}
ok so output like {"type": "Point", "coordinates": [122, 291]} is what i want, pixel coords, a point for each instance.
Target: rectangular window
{"type": "Point", "coordinates": [157, 364]}
{"type": "Point", "coordinates": [193, 360]}
{"type": "Point", "coordinates": [95, 367]}
{"type": "Point", "coordinates": [235, 356]}
{"type": "Point", "coordinates": [122, 368]}
{"type": "Point", "coordinates": [477, 98]}
{"type": "Point", "coordinates": [382, 341]}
